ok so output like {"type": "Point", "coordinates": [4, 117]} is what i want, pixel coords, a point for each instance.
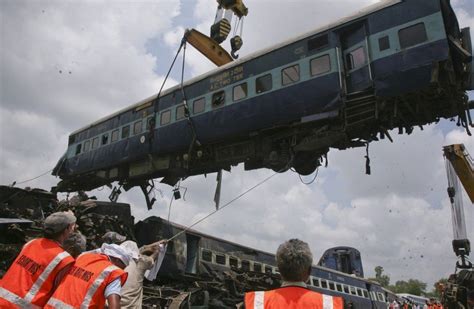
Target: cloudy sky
{"type": "Point", "coordinates": [64, 64]}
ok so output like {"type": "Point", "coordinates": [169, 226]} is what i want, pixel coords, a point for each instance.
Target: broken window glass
{"type": "Point", "coordinates": [115, 136]}
{"type": "Point", "coordinates": [290, 75]}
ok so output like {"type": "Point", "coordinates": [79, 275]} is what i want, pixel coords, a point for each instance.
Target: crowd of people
{"type": "Point", "coordinates": [407, 304]}
{"type": "Point", "coordinates": [55, 271]}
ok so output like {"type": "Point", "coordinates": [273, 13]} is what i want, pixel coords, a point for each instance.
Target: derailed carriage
{"type": "Point", "coordinates": [399, 63]}
{"type": "Point", "coordinates": [197, 257]}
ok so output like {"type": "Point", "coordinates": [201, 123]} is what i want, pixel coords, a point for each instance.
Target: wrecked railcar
{"type": "Point", "coordinates": [396, 64]}
{"type": "Point", "coordinates": [22, 212]}
{"type": "Point", "coordinates": [201, 259]}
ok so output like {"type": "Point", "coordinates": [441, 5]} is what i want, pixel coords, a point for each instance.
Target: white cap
{"type": "Point", "coordinates": [119, 252]}
{"type": "Point", "coordinates": [132, 247]}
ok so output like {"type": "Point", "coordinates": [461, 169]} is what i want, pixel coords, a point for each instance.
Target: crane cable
{"type": "Point", "coordinates": [226, 204]}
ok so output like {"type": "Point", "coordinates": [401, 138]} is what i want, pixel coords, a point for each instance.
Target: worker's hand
{"type": "Point", "coordinates": [162, 242]}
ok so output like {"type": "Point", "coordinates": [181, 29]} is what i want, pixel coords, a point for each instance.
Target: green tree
{"type": "Point", "coordinates": [412, 286]}
{"type": "Point", "coordinates": [384, 280]}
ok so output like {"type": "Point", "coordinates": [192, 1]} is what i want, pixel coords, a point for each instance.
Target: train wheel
{"type": "Point", "coordinates": [305, 163]}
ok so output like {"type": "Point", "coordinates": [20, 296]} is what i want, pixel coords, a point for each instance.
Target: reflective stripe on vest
{"type": "Point", "coordinates": [95, 285]}
{"type": "Point", "coordinates": [327, 302]}
{"type": "Point", "coordinates": [259, 300]}
{"type": "Point", "coordinates": [56, 303]}
{"type": "Point", "coordinates": [15, 299]}
{"type": "Point", "coordinates": [44, 275]}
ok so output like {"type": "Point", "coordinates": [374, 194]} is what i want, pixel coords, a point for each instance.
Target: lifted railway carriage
{"type": "Point", "coordinates": [194, 254]}
{"type": "Point", "coordinates": [397, 64]}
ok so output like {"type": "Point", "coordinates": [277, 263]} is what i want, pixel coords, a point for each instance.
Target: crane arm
{"type": "Point", "coordinates": [208, 47]}
{"type": "Point", "coordinates": [463, 166]}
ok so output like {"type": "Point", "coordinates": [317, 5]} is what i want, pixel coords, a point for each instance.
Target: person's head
{"type": "Point", "coordinates": [75, 244]}
{"type": "Point", "coordinates": [119, 255]}
{"type": "Point", "coordinates": [59, 225]}
{"type": "Point", "coordinates": [113, 238]}
{"type": "Point", "coordinates": [294, 260]}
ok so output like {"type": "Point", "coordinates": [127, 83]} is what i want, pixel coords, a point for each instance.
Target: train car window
{"type": "Point", "coordinates": [150, 123]}
{"type": "Point", "coordinates": [356, 58]}
{"type": "Point", "coordinates": [318, 42]}
{"type": "Point", "coordinates": [353, 290]}
{"type": "Point", "coordinates": [373, 296]}
{"type": "Point", "coordinates": [95, 143]}
{"type": "Point", "coordinates": [324, 284]}
{"type": "Point", "coordinates": [199, 105]}
{"type": "Point", "coordinates": [245, 265]}
{"type": "Point", "coordinates": [87, 145]}
{"type": "Point", "coordinates": [412, 35]}
{"type": "Point", "coordinates": [384, 43]}
{"type": "Point", "coordinates": [165, 117]}
{"type": "Point", "coordinates": [359, 292]}
{"type": "Point", "coordinates": [290, 75]}
{"type": "Point", "coordinates": [380, 297]}
{"type": "Point", "coordinates": [78, 149]}
{"type": "Point", "coordinates": [346, 289]}
{"type": "Point", "coordinates": [331, 286]}
{"type": "Point", "coordinates": [220, 259]}
{"type": "Point", "coordinates": [218, 99]}
{"type": "Point", "coordinates": [233, 262]}
{"type": "Point", "coordinates": [206, 255]}
{"type": "Point", "coordinates": [320, 65]}
{"type": "Point", "coordinates": [137, 127]}
{"type": "Point", "coordinates": [263, 83]}
{"type": "Point", "coordinates": [115, 136]}
{"type": "Point", "coordinates": [180, 112]}
{"type": "Point", "coordinates": [105, 138]}
{"type": "Point", "coordinates": [268, 269]}
{"type": "Point", "coordinates": [125, 131]}
{"type": "Point", "coordinates": [239, 92]}
{"type": "Point", "coordinates": [257, 267]}
{"type": "Point", "coordinates": [366, 294]}
{"type": "Point", "coordinates": [339, 287]}
{"type": "Point", "coordinates": [316, 282]}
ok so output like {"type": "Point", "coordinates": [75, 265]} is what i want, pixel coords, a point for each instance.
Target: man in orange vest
{"type": "Point", "coordinates": [31, 279]}
{"type": "Point", "coordinates": [294, 261]}
{"type": "Point", "coordinates": [95, 278]}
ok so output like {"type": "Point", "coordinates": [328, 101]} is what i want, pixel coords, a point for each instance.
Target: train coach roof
{"type": "Point", "coordinates": [361, 13]}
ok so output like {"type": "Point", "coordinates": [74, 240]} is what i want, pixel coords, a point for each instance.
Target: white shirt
{"type": "Point", "coordinates": [113, 287]}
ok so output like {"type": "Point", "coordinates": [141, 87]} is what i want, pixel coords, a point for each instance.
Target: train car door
{"type": "Point", "coordinates": [355, 53]}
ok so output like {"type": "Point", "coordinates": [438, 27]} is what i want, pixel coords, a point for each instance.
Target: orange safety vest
{"type": "Point", "coordinates": [291, 297]}
{"type": "Point", "coordinates": [85, 283]}
{"type": "Point", "coordinates": [29, 280]}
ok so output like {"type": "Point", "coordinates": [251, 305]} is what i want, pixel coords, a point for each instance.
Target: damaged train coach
{"type": "Point", "coordinates": [396, 64]}
{"type": "Point", "coordinates": [194, 255]}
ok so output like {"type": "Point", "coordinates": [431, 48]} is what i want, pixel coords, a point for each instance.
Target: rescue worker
{"type": "Point", "coordinates": [94, 279]}
{"type": "Point", "coordinates": [113, 238]}
{"type": "Point", "coordinates": [42, 263]}
{"type": "Point", "coordinates": [294, 261]}
{"type": "Point", "coordinates": [75, 244]}
{"type": "Point", "coordinates": [132, 291]}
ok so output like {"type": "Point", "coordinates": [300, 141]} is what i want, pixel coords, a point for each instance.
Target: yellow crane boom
{"type": "Point", "coordinates": [463, 166]}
